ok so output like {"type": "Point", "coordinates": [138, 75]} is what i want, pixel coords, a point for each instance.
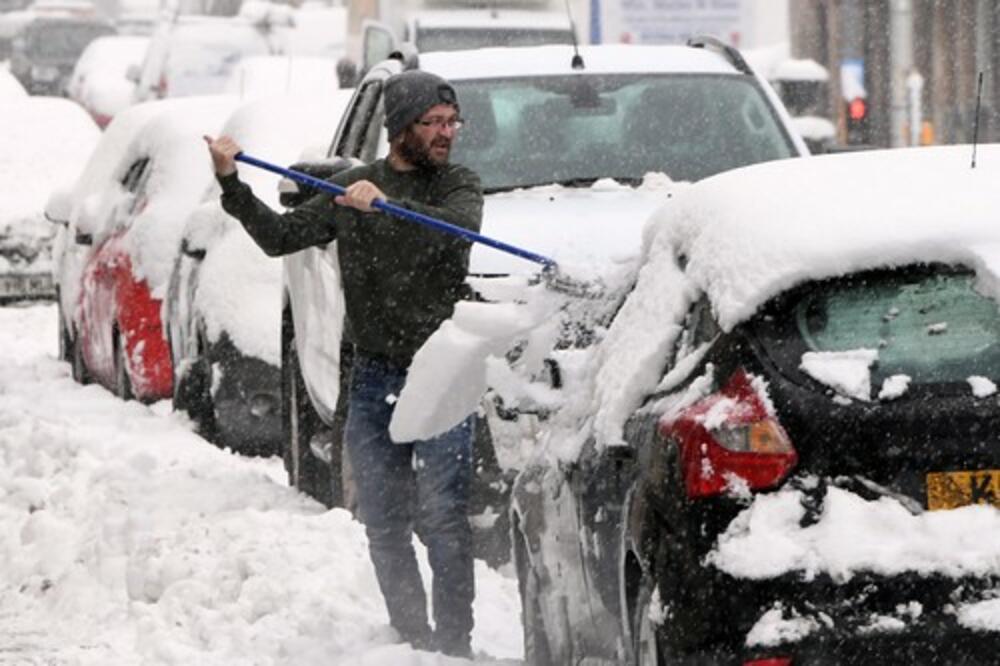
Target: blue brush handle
{"type": "Point", "coordinates": [401, 212]}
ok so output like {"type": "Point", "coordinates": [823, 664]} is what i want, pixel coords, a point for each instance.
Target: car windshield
{"type": "Point", "coordinates": [453, 39]}
{"type": "Point", "coordinates": [574, 129]}
{"type": "Point", "coordinates": [62, 40]}
{"type": "Point", "coordinates": [933, 326]}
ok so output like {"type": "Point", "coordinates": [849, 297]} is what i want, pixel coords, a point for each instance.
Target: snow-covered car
{"type": "Point", "coordinates": [98, 82]}
{"type": "Point", "coordinates": [194, 55]}
{"type": "Point", "coordinates": [788, 438]}
{"type": "Point", "coordinates": [46, 49]}
{"type": "Point", "coordinates": [44, 140]}
{"type": "Point", "coordinates": [223, 305]}
{"type": "Point", "coordinates": [78, 206]}
{"type": "Point", "coordinates": [134, 227]}
{"type": "Point", "coordinates": [269, 75]}
{"type": "Point", "coordinates": [572, 161]}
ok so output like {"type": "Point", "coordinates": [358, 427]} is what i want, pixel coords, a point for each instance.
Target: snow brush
{"type": "Point", "coordinates": [550, 270]}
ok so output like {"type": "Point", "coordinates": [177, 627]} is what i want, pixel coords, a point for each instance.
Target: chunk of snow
{"type": "Point", "coordinates": [846, 372]}
{"type": "Point", "coordinates": [854, 535]}
{"type": "Point", "coordinates": [893, 387]}
{"type": "Point", "coordinates": [980, 615]}
{"type": "Point", "coordinates": [981, 386]}
{"type": "Point", "coordinates": [774, 628]}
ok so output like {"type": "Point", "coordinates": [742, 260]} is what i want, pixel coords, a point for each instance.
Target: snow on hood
{"type": "Point", "coordinates": [239, 287]}
{"type": "Point", "coordinates": [180, 175]}
{"type": "Point", "coordinates": [752, 233]}
{"type": "Point", "coordinates": [10, 88]}
{"type": "Point", "coordinates": [591, 227]}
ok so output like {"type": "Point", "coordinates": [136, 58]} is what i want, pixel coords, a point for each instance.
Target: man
{"type": "Point", "coordinates": [401, 280]}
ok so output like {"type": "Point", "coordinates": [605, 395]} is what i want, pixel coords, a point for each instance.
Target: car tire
{"type": "Point", "coordinates": [301, 423]}
{"type": "Point", "coordinates": [193, 393]}
{"type": "Point", "coordinates": [646, 646]}
{"type": "Point", "coordinates": [78, 367]}
{"type": "Point", "coordinates": [536, 640]}
{"type": "Point", "coordinates": [123, 383]}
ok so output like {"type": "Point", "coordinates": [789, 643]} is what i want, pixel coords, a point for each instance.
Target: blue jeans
{"type": "Point", "coordinates": [422, 486]}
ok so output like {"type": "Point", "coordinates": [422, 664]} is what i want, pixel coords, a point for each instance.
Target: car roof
{"type": "Point", "coordinates": [470, 18]}
{"type": "Point", "coordinates": [556, 59]}
{"type": "Point", "coordinates": [753, 233]}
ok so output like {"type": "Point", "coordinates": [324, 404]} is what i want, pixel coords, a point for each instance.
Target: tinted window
{"type": "Point", "coordinates": [934, 327]}
{"type": "Point", "coordinates": [534, 131]}
{"type": "Point", "coordinates": [452, 39]}
{"type": "Point", "coordinates": [63, 40]}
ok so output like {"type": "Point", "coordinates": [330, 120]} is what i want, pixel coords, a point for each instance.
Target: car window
{"type": "Point", "coordinates": [350, 139]}
{"type": "Point", "coordinates": [134, 182]}
{"type": "Point", "coordinates": [62, 40]}
{"type": "Point", "coordinates": [933, 326]}
{"type": "Point", "coordinates": [578, 128]}
{"type": "Point", "coordinates": [375, 137]}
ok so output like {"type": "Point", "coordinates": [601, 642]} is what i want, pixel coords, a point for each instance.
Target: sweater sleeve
{"type": "Point", "coordinates": [278, 234]}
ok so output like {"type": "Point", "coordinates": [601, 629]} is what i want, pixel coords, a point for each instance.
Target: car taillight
{"type": "Point", "coordinates": [162, 86]}
{"type": "Point", "coordinates": [772, 661]}
{"type": "Point", "coordinates": [730, 440]}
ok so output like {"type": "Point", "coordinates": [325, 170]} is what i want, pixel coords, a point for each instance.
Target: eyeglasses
{"type": "Point", "coordinates": [439, 123]}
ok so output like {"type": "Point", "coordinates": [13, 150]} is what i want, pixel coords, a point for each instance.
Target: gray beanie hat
{"type": "Point", "coordinates": [409, 94]}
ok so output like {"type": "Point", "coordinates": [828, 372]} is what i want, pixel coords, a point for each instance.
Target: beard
{"type": "Point", "coordinates": [418, 152]}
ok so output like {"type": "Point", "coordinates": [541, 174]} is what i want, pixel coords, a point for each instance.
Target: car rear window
{"type": "Point", "coordinates": [577, 128]}
{"type": "Point", "coordinates": [933, 326]}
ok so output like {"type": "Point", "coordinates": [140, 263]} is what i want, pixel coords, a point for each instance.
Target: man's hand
{"type": "Point", "coordinates": [360, 195]}
{"type": "Point", "coordinates": [223, 151]}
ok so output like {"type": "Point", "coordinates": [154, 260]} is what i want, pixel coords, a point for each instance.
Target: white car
{"type": "Point", "coordinates": [269, 75]}
{"type": "Point", "coordinates": [45, 140]}
{"type": "Point", "coordinates": [222, 308]}
{"type": "Point", "coordinates": [99, 82]}
{"type": "Point", "coordinates": [194, 55]}
{"type": "Point", "coordinates": [573, 160]}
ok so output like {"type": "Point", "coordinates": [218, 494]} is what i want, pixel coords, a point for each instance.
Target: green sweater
{"type": "Point", "coordinates": [401, 279]}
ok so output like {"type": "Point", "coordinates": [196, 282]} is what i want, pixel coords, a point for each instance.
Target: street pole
{"type": "Point", "coordinates": [901, 64]}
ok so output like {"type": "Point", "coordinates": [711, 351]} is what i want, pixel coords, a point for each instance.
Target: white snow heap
{"type": "Point", "coordinates": [894, 387]}
{"type": "Point", "coordinates": [982, 387]}
{"type": "Point", "coordinates": [846, 372]}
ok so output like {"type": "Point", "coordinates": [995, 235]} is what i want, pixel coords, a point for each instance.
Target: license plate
{"type": "Point", "coordinates": [26, 286]}
{"type": "Point", "coordinates": [950, 490]}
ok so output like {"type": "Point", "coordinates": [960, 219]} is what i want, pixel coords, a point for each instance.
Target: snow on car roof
{"type": "Point", "coordinates": [10, 88]}
{"type": "Point", "coordinates": [555, 59]}
{"type": "Point", "coordinates": [751, 233]}
{"type": "Point", "coordinates": [473, 19]}
{"type": "Point", "coordinates": [181, 173]}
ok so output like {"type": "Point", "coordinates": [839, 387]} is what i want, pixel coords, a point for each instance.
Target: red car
{"type": "Point", "coordinates": [162, 176]}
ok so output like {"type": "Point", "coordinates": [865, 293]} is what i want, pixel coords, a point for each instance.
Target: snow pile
{"type": "Point", "coordinates": [853, 535]}
{"type": "Point", "coordinates": [846, 372]}
{"type": "Point", "coordinates": [239, 287]}
{"type": "Point", "coordinates": [982, 387]}
{"type": "Point", "coordinates": [894, 387]}
{"type": "Point", "coordinates": [774, 628]}
{"type": "Point", "coordinates": [126, 539]}
{"type": "Point", "coordinates": [99, 80]}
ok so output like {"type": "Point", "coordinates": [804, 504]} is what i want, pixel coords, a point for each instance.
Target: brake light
{"type": "Point", "coordinates": [730, 439]}
{"type": "Point", "coordinates": [162, 87]}
{"type": "Point", "coordinates": [771, 661]}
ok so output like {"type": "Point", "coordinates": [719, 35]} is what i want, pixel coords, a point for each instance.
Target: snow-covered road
{"type": "Point", "coordinates": [127, 539]}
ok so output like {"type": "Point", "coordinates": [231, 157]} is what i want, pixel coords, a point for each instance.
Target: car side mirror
{"type": "Point", "coordinates": [83, 238]}
{"type": "Point", "coordinates": [132, 73]}
{"type": "Point", "coordinates": [59, 206]}
{"type": "Point", "coordinates": [292, 194]}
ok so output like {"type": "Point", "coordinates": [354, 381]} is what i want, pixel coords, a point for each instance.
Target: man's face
{"type": "Point", "coordinates": [427, 142]}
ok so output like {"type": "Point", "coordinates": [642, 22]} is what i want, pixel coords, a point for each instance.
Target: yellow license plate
{"type": "Point", "coordinates": [950, 490]}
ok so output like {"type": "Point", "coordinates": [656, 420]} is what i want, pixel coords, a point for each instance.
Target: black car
{"type": "Point", "coordinates": [617, 553]}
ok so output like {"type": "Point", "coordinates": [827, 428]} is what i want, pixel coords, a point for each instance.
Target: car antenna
{"type": "Point", "coordinates": [975, 125]}
{"type": "Point", "coordinates": [577, 61]}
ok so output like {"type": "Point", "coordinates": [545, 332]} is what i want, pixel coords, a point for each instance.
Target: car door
{"type": "Point", "coordinates": [99, 299]}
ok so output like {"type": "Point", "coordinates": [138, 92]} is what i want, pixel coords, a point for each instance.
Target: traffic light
{"type": "Point", "coordinates": [857, 121]}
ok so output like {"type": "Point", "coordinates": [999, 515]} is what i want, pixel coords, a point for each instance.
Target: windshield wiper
{"type": "Point", "coordinates": [631, 181]}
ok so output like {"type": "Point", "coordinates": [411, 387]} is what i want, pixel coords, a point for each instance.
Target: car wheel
{"type": "Point", "coordinates": [123, 383]}
{"type": "Point", "coordinates": [301, 425]}
{"type": "Point", "coordinates": [536, 640]}
{"type": "Point", "coordinates": [193, 393]}
{"type": "Point", "coordinates": [645, 632]}
{"type": "Point", "coordinates": [78, 366]}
